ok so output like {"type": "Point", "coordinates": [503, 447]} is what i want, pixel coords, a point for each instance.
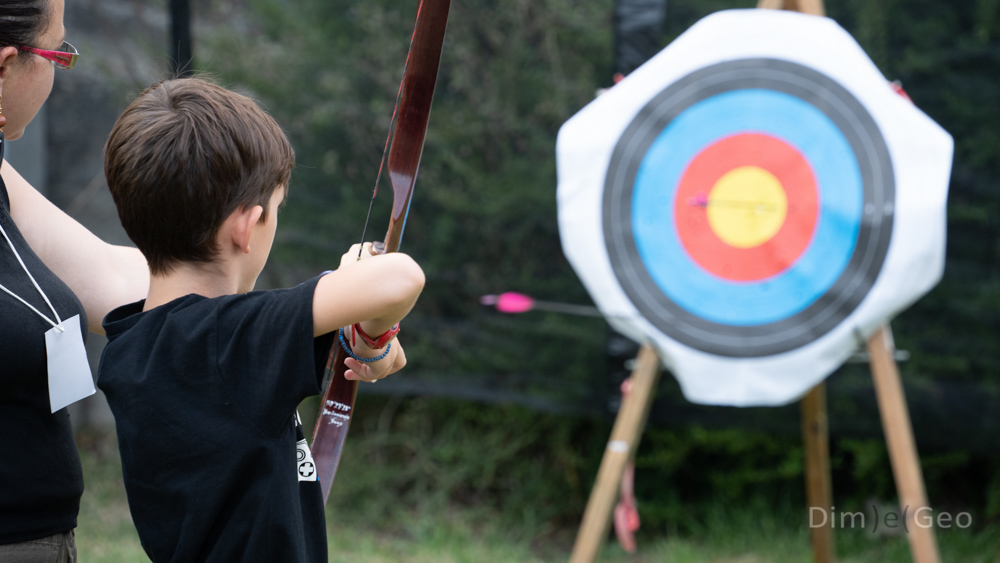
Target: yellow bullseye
{"type": "Point", "coordinates": [746, 207]}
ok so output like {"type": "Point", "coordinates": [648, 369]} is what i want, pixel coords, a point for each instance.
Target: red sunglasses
{"type": "Point", "coordinates": [64, 58]}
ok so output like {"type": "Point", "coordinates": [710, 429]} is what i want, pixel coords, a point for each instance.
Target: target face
{"type": "Point", "coordinates": [748, 207]}
{"type": "Point", "coordinates": [753, 202]}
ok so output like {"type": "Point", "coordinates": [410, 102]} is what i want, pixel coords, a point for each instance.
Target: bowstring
{"type": "Point", "coordinates": [389, 135]}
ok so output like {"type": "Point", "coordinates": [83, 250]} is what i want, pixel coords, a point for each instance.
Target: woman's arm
{"type": "Point", "coordinates": [103, 276]}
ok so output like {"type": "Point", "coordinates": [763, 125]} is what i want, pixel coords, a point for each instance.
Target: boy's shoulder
{"type": "Point", "coordinates": [257, 346]}
{"type": "Point", "coordinates": [132, 319]}
{"type": "Point", "coordinates": [194, 310]}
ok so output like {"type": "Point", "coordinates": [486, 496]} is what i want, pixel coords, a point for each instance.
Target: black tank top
{"type": "Point", "coordinates": [40, 475]}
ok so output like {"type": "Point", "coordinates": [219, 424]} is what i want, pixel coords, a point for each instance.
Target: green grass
{"type": "Point", "coordinates": [751, 532]}
{"type": "Point", "coordinates": [104, 532]}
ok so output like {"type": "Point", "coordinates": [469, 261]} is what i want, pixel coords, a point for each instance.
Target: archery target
{"type": "Point", "coordinates": [750, 215]}
{"type": "Point", "coordinates": [754, 201]}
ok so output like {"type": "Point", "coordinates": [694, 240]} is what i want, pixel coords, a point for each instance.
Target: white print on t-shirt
{"type": "Point", "coordinates": [305, 466]}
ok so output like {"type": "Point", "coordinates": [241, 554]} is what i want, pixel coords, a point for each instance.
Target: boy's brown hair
{"type": "Point", "coordinates": [182, 158]}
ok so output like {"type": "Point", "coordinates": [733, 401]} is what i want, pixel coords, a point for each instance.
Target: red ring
{"type": "Point", "coordinates": [710, 252]}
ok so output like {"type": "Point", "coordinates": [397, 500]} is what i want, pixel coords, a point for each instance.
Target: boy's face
{"type": "Point", "coordinates": [263, 233]}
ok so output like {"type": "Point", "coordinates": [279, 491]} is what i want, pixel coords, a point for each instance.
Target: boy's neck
{"type": "Point", "coordinates": [208, 280]}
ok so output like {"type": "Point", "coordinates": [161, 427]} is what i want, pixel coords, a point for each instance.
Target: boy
{"type": "Point", "coordinates": [204, 376]}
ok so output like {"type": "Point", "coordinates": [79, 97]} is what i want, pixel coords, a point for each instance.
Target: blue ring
{"type": "Point", "coordinates": [838, 177]}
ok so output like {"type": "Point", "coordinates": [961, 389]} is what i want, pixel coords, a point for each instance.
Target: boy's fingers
{"type": "Point", "coordinates": [357, 252]}
{"type": "Point", "coordinates": [399, 362]}
{"type": "Point", "coordinates": [359, 371]}
{"type": "Point", "coordinates": [369, 250]}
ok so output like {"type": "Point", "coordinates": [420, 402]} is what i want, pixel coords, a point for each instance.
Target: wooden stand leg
{"type": "Point", "coordinates": [819, 491]}
{"type": "Point", "coordinates": [902, 448]}
{"type": "Point", "coordinates": [814, 7]}
{"type": "Point", "coordinates": [624, 438]}
{"type": "Point", "coordinates": [771, 4]}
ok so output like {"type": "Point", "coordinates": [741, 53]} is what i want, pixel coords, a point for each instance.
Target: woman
{"type": "Point", "coordinates": [51, 268]}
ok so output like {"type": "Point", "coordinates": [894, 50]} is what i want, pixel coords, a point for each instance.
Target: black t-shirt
{"type": "Point", "coordinates": [204, 393]}
{"type": "Point", "coordinates": [40, 475]}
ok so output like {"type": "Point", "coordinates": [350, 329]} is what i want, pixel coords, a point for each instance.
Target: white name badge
{"type": "Point", "coordinates": [69, 371]}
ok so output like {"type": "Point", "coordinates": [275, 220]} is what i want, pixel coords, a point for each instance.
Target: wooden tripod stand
{"type": "Point", "coordinates": [634, 410]}
{"type": "Point", "coordinates": [892, 407]}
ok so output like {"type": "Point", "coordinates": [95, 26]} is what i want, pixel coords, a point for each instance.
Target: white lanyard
{"type": "Point", "coordinates": [58, 322]}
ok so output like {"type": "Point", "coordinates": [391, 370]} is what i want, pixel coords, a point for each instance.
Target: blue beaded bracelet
{"type": "Point", "coordinates": [343, 343]}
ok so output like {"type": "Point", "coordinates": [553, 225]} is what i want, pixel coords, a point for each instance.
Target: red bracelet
{"type": "Point", "coordinates": [381, 341]}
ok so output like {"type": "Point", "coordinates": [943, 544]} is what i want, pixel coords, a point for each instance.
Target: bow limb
{"type": "Point", "coordinates": [414, 111]}
{"type": "Point", "coordinates": [414, 106]}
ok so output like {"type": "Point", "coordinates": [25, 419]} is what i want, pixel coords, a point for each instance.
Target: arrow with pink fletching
{"type": "Point", "coordinates": [513, 303]}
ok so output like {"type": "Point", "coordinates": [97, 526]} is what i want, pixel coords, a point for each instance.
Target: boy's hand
{"type": "Point", "coordinates": [373, 371]}
{"type": "Point", "coordinates": [351, 256]}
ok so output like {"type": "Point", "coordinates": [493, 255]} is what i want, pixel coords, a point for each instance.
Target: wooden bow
{"type": "Point", "coordinates": [412, 111]}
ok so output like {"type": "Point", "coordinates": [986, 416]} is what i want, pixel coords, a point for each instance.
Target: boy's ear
{"type": "Point", "coordinates": [243, 223]}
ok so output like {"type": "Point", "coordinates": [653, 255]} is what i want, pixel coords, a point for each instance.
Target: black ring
{"type": "Point", "coordinates": [864, 265]}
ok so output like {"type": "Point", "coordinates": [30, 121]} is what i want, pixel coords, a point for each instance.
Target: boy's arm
{"type": "Point", "coordinates": [377, 292]}
{"type": "Point", "coordinates": [103, 276]}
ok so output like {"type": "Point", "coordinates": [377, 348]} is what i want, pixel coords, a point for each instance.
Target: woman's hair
{"type": "Point", "coordinates": [182, 158]}
{"type": "Point", "coordinates": [21, 21]}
